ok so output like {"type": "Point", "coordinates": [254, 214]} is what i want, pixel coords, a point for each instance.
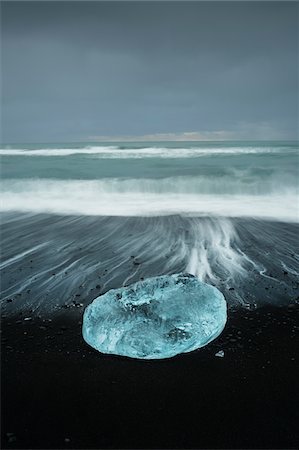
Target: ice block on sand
{"type": "Point", "coordinates": [156, 318]}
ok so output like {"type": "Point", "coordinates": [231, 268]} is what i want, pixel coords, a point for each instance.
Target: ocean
{"type": "Point", "coordinates": [79, 219]}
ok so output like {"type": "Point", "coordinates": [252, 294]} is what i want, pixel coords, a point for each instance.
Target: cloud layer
{"type": "Point", "coordinates": [75, 70]}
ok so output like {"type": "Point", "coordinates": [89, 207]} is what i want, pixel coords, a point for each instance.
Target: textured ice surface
{"type": "Point", "coordinates": [156, 318]}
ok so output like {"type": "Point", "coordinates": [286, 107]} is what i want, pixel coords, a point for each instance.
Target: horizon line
{"type": "Point", "coordinates": [117, 140]}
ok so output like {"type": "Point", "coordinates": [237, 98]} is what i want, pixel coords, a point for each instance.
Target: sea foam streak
{"type": "Point", "coordinates": [116, 197]}
{"type": "Point", "coordinates": [86, 256]}
{"type": "Point", "coordinates": [146, 152]}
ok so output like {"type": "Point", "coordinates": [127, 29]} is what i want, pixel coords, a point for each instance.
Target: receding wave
{"type": "Point", "coordinates": [143, 197]}
{"type": "Point", "coordinates": [64, 261]}
{"type": "Point", "coordinates": [146, 152]}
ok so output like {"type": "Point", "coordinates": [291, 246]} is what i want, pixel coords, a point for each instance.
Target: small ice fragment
{"type": "Point", "coordinates": [220, 354]}
{"type": "Point", "coordinates": [11, 437]}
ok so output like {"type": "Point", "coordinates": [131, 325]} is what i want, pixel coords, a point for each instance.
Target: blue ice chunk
{"type": "Point", "coordinates": [156, 318]}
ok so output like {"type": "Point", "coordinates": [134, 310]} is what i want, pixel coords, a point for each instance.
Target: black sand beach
{"type": "Point", "coordinates": [59, 393]}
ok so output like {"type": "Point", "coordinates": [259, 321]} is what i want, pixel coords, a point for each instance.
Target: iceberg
{"type": "Point", "coordinates": [156, 318]}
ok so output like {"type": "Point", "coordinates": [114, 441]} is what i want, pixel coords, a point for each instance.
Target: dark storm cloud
{"type": "Point", "coordinates": [78, 69]}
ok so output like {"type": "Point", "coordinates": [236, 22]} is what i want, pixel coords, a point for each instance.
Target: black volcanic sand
{"type": "Point", "coordinates": [57, 392]}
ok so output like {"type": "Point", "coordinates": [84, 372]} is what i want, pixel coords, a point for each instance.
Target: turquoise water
{"type": "Point", "coordinates": [256, 179]}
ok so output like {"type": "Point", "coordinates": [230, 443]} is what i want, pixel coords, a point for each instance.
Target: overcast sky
{"type": "Point", "coordinates": [77, 71]}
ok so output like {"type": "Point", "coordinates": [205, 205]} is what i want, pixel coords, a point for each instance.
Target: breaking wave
{"type": "Point", "coordinates": [142, 197]}
{"type": "Point", "coordinates": [108, 152]}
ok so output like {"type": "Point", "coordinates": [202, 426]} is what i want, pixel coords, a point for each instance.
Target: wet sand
{"type": "Point", "coordinates": [49, 261]}
{"type": "Point", "coordinates": [57, 392]}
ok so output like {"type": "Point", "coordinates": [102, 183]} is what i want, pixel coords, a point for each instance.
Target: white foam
{"type": "Point", "coordinates": [21, 255]}
{"type": "Point", "coordinates": [110, 152]}
{"type": "Point", "coordinates": [57, 151]}
{"type": "Point", "coordinates": [213, 246]}
{"type": "Point", "coordinates": [110, 197]}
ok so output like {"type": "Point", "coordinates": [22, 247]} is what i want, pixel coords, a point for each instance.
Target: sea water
{"type": "Point", "coordinates": [230, 179]}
